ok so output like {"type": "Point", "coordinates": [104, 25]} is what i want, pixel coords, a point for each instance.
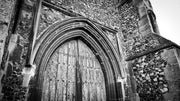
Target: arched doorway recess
{"type": "Point", "coordinates": [80, 30]}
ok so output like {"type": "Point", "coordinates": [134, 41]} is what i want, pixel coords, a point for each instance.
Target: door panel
{"type": "Point", "coordinates": [93, 85]}
{"type": "Point", "coordinates": [73, 74]}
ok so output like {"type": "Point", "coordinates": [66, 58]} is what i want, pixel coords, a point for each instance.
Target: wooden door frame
{"type": "Point", "coordinates": [84, 29]}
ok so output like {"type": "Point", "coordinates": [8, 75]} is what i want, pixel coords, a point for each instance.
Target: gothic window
{"type": "Point", "coordinates": [152, 18]}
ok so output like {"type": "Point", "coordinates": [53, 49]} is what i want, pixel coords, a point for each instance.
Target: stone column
{"type": "Point", "coordinates": [20, 32]}
{"type": "Point", "coordinates": [134, 95]}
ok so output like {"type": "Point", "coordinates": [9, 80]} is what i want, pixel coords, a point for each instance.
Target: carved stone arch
{"type": "Point", "coordinates": [89, 33]}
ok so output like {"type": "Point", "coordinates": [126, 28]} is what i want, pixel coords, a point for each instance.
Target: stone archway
{"type": "Point", "coordinates": [73, 73]}
{"type": "Point", "coordinates": [83, 29]}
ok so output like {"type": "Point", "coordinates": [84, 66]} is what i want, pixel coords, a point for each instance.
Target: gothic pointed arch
{"type": "Point", "coordinates": [85, 30]}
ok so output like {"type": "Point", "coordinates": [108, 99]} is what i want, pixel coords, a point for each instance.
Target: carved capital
{"type": "Point", "coordinates": [27, 73]}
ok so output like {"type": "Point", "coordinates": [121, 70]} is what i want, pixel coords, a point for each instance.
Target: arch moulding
{"type": "Point", "coordinates": [90, 34]}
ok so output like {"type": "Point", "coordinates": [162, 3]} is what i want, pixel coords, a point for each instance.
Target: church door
{"type": "Point", "coordinates": [73, 73]}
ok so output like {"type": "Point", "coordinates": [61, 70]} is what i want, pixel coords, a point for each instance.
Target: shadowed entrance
{"type": "Point", "coordinates": [73, 74]}
{"type": "Point", "coordinates": [87, 38]}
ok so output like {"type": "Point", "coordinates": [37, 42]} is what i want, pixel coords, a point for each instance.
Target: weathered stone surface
{"type": "Point", "coordinates": [18, 45]}
{"type": "Point", "coordinates": [125, 19]}
{"type": "Point", "coordinates": [113, 39]}
{"type": "Point", "coordinates": [93, 11]}
{"type": "Point", "coordinates": [144, 25]}
{"type": "Point", "coordinates": [104, 12]}
{"type": "Point", "coordinates": [142, 11]}
{"type": "Point", "coordinates": [25, 23]}
{"type": "Point", "coordinates": [129, 25]}
{"type": "Point", "coordinates": [172, 75]}
{"type": "Point", "coordinates": [6, 7]}
{"type": "Point", "coordinates": [12, 89]}
{"type": "Point", "coordinates": [103, 3]}
{"type": "Point", "coordinates": [157, 76]}
{"type": "Point", "coordinates": [3, 34]}
{"type": "Point", "coordinates": [150, 77]}
{"type": "Point", "coordinates": [48, 17]}
{"type": "Point", "coordinates": [137, 35]}
{"type": "Point", "coordinates": [140, 44]}
{"type": "Point", "coordinates": [177, 54]}
{"type": "Point", "coordinates": [129, 21]}
{"type": "Point", "coordinates": [172, 72]}
{"type": "Point", "coordinates": [148, 4]}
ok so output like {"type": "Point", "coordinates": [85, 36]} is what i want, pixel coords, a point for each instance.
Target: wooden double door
{"type": "Point", "coordinates": [73, 73]}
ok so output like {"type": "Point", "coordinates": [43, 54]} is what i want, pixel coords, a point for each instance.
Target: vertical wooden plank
{"type": "Point", "coordinates": [45, 86]}
{"type": "Point", "coordinates": [78, 74]}
{"type": "Point", "coordinates": [73, 74]}
{"type": "Point", "coordinates": [56, 77]}
{"type": "Point", "coordinates": [93, 80]}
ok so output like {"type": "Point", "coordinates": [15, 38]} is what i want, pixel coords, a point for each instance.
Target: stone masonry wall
{"type": "Point", "coordinates": [19, 41]}
{"type": "Point", "coordinates": [157, 75]}
{"type": "Point", "coordinates": [136, 34]}
{"type": "Point", "coordinates": [6, 8]}
{"type": "Point", "coordinates": [17, 52]}
{"type": "Point", "coordinates": [92, 10]}
{"type": "Point", "coordinates": [132, 22]}
{"type": "Point", "coordinates": [101, 11]}
{"type": "Point", "coordinates": [149, 71]}
{"type": "Point", "coordinates": [150, 77]}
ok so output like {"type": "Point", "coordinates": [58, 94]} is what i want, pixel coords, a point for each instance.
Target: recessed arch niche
{"type": "Point", "coordinates": [90, 34]}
